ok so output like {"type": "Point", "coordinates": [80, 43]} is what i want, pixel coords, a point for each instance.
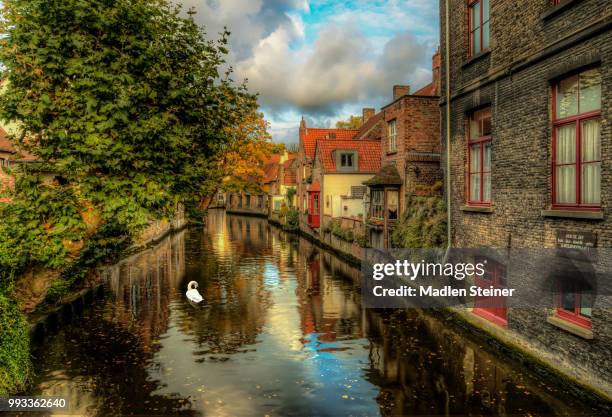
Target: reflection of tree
{"type": "Point", "coordinates": [105, 370]}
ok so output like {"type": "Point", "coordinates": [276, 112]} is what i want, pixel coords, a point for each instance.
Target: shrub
{"type": "Point", "coordinates": [292, 219]}
{"type": "Point", "coordinates": [423, 224]}
{"type": "Point", "coordinates": [15, 366]}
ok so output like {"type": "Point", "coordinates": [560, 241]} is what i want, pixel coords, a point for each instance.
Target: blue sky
{"type": "Point", "coordinates": [324, 59]}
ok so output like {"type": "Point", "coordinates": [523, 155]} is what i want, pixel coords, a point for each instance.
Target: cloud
{"type": "Point", "coordinates": [340, 67]}
{"type": "Point", "coordinates": [323, 58]}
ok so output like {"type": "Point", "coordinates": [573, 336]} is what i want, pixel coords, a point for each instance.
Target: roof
{"type": "Point", "coordinates": [314, 134]}
{"type": "Point", "coordinates": [388, 175]}
{"type": "Point", "coordinates": [315, 186]}
{"type": "Point", "coordinates": [271, 168]}
{"type": "Point", "coordinates": [7, 146]}
{"type": "Point", "coordinates": [290, 176]}
{"type": "Point", "coordinates": [368, 153]}
{"type": "Point", "coordinates": [428, 90]}
{"type": "Point", "coordinates": [368, 127]}
{"type": "Point", "coordinates": [5, 143]}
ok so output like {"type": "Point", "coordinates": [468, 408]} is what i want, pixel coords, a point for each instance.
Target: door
{"type": "Point", "coordinates": [493, 309]}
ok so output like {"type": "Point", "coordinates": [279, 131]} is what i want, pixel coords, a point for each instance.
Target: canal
{"type": "Point", "coordinates": [281, 333]}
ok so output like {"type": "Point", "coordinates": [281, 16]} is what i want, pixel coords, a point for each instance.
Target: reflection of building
{"type": "Point", "coordinates": [529, 161]}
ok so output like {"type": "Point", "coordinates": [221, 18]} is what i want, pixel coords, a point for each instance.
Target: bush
{"type": "Point", "coordinates": [292, 219]}
{"type": "Point", "coordinates": [15, 365]}
{"type": "Point", "coordinates": [423, 225]}
{"type": "Point", "coordinates": [336, 229]}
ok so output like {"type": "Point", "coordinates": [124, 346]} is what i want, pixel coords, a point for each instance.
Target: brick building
{"type": "Point", "coordinates": [410, 154]}
{"type": "Point", "coordinates": [531, 157]}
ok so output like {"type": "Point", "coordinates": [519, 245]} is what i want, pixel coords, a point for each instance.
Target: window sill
{"type": "Point", "coordinates": [476, 209]}
{"type": "Point", "coordinates": [570, 327]}
{"type": "Point", "coordinates": [475, 58]}
{"type": "Point", "coordinates": [559, 8]}
{"type": "Point", "coordinates": [391, 153]}
{"type": "Point", "coordinates": [573, 214]}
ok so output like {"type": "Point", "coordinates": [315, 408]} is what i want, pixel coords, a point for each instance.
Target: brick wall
{"type": "Point", "coordinates": [530, 47]}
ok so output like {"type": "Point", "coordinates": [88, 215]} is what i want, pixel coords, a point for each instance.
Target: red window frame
{"type": "Point", "coordinates": [480, 142]}
{"type": "Point", "coordinates": [577, 121]}
{"type": "Point", "coordinates": [575, 316]}
{"type": "Point", "coordinates": [494, 309]}
{"type": "Point", "coordinates": [555, 2]}
{"type": "Point", "coordinates": [471, 5]}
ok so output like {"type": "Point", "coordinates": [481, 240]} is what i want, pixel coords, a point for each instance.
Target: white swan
{"type": "Point", "coordinates": [192, 292]}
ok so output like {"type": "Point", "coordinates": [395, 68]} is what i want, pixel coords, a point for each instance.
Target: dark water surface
{"type": "Point", "coordinates": [282, 333]}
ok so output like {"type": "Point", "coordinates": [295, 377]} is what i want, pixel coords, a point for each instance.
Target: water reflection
{"type": "Point", "coordinates": [281, 332]}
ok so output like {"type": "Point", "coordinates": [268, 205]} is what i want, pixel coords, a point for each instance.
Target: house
{"type": "Point", "coordinates": [308, 138]}
{"type": "Point", "coordinates": [280, 178]}
{"type": "Point", "coordinates": [340, 167]}
{"type": "Point", "coordinates": [529, 153]}
{"type": "Point", "coordinates": [410, 155]}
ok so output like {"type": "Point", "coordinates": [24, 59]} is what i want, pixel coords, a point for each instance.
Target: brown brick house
{"type": "Point", "coordinates": [530, 156]}
{"type": "Point", "coordinates": [410, 154]}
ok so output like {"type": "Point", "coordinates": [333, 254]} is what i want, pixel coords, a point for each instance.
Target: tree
{"type": "Point", "coordinates": [353, 122]}
{"type": "Point", "coordinates": [122, 100]}
{"type": "Point", "coordinates": [240, 161]}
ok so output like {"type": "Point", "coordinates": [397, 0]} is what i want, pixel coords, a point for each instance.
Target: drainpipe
{"type": "Point", "coordinates": [448, 124]}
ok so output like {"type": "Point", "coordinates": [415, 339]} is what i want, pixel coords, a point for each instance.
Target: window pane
{"type": "Point", "coordinates": [476, 41]}
{"type": "Point", "coordinates": [591, 183]}
{"type": "Point", "coordinates": [590, 91]}
{"type": "Point", "coordinates": [591, 148]}
{"type": "Point", "coordinates": [566, 144]}
{"type": "Point", "coordinates": [392, 204]}
{"type": "Point", "coordinates": [487, 188]}
{"type": "Point", "coordinates": [487, 157]}
{"type": "Point", "coordinates": [566, 184]}
{"type": "Point", "coordinates": [568, 301]}
{"type": "Point", "coordinates": [475, 158]}
{"type": "Point", "coordinates": [485, 35]}
{"type": "Point", "coordinates": [474, 128]}
{"type": "Point", "coordinates": [475, 187]}
{"type": "Point", "coordinates": [567, 97]}
{"type": "Point", "coordinates": [586, 304]}
{"type": "Point", "coordinates": [485, 10]}
{"type": "Point", "coordinates": [476, 16]}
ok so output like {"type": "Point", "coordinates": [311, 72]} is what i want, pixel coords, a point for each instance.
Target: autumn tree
{"type": "Point", "coordinates": [240, 161]}
{"type": "Point", "coordinates": [353, 122]}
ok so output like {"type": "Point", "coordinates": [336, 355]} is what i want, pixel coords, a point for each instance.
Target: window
{"type": "Point", "coordinates": [346, 160]}
{"type": "Point", "coordinates": [378, 203]}
{"type": "Point", "coordinates": [248, 201]}
{"type": "Point", "coordinates": [392, 204]}
{"type": "Point", "coordinates": [479, 26]}
{"type": "Point", "coordinates": [315, 202]}
{"type": "Point", "coordinates": [576, 141]}
{"type": "Point", "coordinates": [392, 139]}
{"type": "Point", "coordinates": [575, 305]}
{"type": "Point", "coordinates": [479, 153]}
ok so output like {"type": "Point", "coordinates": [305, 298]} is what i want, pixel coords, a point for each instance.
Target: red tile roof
{"type": "Point", "coordinates": [314, 134]}
{"type": "Point", "coordinates": [271, 168]}
{"type": "Point", "coordinates": [7, 146]}
{"type": "Point", "coordinates": [368, 153]}
{"type": "Point", "coordinates": [428, 90]}
{"type": "Point", "coordinates": [289, 168]}
{"type": "Point", "coordinates": [315, 186]}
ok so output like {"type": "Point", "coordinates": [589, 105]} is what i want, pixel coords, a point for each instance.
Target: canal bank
{"type": "Point", "coordinates": [282, 332]}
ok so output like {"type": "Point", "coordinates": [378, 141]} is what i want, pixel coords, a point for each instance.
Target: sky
{"type": "Point", "coordinates": [323, 59]}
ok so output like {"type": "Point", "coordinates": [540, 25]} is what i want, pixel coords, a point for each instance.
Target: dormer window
{"type": "Point", "coordinates": [347, 160]}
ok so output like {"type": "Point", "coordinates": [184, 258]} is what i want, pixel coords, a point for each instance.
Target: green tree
{"type": "Point", "coordinates": [122, 100]}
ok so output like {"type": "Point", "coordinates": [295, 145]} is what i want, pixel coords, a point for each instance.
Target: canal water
{"type": "Point", "coordinates": [281, 333]}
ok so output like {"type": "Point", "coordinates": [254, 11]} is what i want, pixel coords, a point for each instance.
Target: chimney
{"type": "Point", "coordinates": [400, 90]}
{"type": "Point", "coordinates": [368, 113]}
{"type": "Point", "coordinates": [435, 70]}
